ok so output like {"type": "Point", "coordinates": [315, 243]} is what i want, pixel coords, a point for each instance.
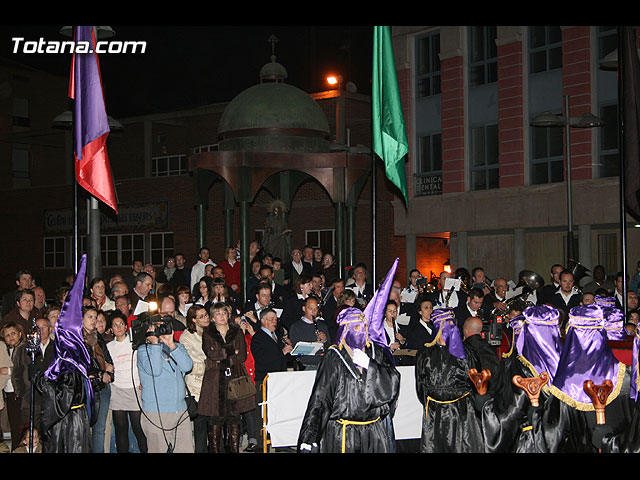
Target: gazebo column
{"type": "Point", "coordinates": [203, 179]}
{"type": "Point", "coordinates": [229, 206]}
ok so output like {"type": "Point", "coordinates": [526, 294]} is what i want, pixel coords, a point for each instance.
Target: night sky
{"type": "Point", "coordinates": [187, 66]}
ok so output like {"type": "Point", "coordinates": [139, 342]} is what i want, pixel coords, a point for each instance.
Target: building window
{"type": "Point", "coordinates": [607, 40]}
{"type": "Point", "coordinates": [169, 165]}
{"type": "Point", "coordinates": [161, 247]}
{"type": "Point", "coordinates": [547, 160]}
{"type": "Point", "coordinates": [131, 248]}
{"type": "Point", "coordinates": [545, 48]}
{"type": "Point", "coordinates": [483, 55]}
{"type": "Point", "coordinates": [323, 239]}
{"type": "Point", "coordinates": [609, 164]}
{"type": "Point", "coordinates": [428, 176]}
{"type": "Point", "coordinates": [109, 250]}
{"type": "Point", "coordinates": [485, 168]}
{"type": "Point", "coordinates": [608, 251]}
{"type": "Point", "coordinates": [21, 117]}
{"type": "Point", "coordinates": [428, 65]}
{"type": "Point", "coordinates": [20, 163]}
{"type": "Point", "coordinates": [54, 252]}
{"type": "Point", "coordinates": [206, 148]}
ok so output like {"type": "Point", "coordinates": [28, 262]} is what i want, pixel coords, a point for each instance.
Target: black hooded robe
{"type": "Point", "coordinates": [65, 418]}
{"type": "Point", "coordinates": [450, 423]}
{"type": "Point", "coordinates": [340, 392]}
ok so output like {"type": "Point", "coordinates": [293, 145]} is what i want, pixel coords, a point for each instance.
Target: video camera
{"type": "Point", "coordinates": [162, 325]}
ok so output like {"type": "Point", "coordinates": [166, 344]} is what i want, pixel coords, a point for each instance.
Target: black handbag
{"type": "Point", "coordinates": [192, 404]}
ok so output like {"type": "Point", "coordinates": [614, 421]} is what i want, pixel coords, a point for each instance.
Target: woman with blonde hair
{"type": "Point", "coordinates": [196, 321]}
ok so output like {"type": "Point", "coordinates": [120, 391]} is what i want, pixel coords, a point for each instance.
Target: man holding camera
{"type": "Point", "coordinates": [162, 365]}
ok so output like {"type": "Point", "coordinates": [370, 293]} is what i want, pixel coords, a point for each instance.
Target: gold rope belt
{"type": "Point", "coordinates": [73, 407]}
{"type": "Point", "coordinates": [344, 424]}
{"type": "Point", "coordinates": [426, 407]}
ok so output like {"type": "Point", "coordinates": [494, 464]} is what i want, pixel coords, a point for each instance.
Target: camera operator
{"type": "Point", "coordinates": [162, 366]}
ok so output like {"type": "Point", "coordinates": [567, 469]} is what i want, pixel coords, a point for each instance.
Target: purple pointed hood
{"type": "Point", "coordinates": [444, 320]}
{"type": "Point", "coordinates": [374, 311]}
{"type": "Point", "coordinates": [539, 340]}
{"type": "Point", "coordinates": [71, 353]}
{"type": "Point", "coordinates": [585, 356]}
{"type": "Point", "coordinates": [371, 320]}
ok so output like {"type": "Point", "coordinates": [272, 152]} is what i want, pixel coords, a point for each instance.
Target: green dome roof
{"type": "Point", "coordinates": [252, 120]}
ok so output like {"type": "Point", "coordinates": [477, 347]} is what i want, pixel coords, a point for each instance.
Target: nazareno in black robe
{"type": "Point", "coordinates": [563, 428]}
{"type": "Point", "coordinates": [450, 422]}
{"type": "Point", "coordinates": [627, 441]}
{"type": "Point", "coordinates": [65, 418]}
{"type": "Point", "coordinates": [341, 392]}
{"type": "Point", "coordinates": [506, 426]}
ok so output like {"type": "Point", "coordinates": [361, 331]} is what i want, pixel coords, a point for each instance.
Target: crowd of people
{"type": "Point", "coordinates": [195, 382]}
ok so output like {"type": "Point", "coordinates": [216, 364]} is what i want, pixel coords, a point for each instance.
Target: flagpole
{"type": "Point", "coordinates": [373, 218]}
{"type": "Point", "coordinates": [75, 199]}
{"type": "Point", "coordinates": [623, 209]}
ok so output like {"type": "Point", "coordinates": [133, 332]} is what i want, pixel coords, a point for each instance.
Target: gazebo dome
{"type": "Point", "coordinates": [274, 117]}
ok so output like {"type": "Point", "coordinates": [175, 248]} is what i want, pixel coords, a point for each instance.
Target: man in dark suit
{"type": "Point", "coordinates": [566, 297]}
{"type": "Point", "coordinates": [278, 293]}
{"type": "Point", "coordinates": [471, 308]}
{"type": "Point", "coordinates": [141, 290]}
{"type": "Point", "coordinates": [24, 279]}
{"type": "Point", "coordinates": [472, 336]}
{"type": "Point", "coordinates": [269, 353]}
{"type": "Point", "coordinates": [20, 372]}
{"type": "Point", "coordinates": [261, 301]}
{"type": "Point", "coordinates": [496, 298]}
{"type": "Point", "coordinates": [330, 306]}
{"type": "Point", "coordinates": [439, 296]}
{"type": "Point", "coordinates": [547, 291]}
{"type": "Point", "coordinates": [182, 275]}
{"type": "Point", "coordinates": [295, 267]}
{"type": "Point", "coordinates": [308, 260]}
{"type": "Point", "coordinates": [360, 286]}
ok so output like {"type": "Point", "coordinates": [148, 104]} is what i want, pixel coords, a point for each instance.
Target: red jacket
{"type": "Point", "coordinates": [232, 274]}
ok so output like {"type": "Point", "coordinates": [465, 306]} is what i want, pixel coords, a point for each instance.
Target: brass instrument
{"type": "Point", "coordinates": [465, 279]}
{"type": "Point", "coordinates": [579, 271]}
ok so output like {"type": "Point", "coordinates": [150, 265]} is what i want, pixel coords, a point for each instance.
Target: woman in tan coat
{"type": "Point", "coordinates": [197, 320]}
{"type": "Point", "coordinates": [226, 350]}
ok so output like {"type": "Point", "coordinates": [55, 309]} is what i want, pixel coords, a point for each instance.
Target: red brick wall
{"type": "Point", "coordinates": [453, 133]}
{"type": "Point", "coordinates": [510, 115]}
{"type": "Point", "coordinates": [576, 79]}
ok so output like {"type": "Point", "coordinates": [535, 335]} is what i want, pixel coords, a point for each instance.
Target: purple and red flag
{"type": "Point", "coordinates": [91, 125]}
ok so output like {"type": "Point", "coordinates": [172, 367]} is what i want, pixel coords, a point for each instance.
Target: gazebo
{"type": "Point", "coordinates": [275, 136]}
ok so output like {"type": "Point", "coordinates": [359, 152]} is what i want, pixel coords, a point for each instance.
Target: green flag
{"type": "Point", "coordinates": [389, 136]}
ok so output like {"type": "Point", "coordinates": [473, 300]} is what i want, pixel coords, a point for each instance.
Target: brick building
{"type": "Point", "coordinates": [486, 182]}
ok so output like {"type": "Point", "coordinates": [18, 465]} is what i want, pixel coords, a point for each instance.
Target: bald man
{"type": "Point", "coordinates": [488, 355]}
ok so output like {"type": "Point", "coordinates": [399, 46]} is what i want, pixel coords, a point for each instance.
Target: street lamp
{"type": "Point", "coordinates": [587, 120]}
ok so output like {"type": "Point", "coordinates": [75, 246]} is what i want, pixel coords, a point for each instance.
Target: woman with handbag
{"type": "Point", "coordinates": [196, 321]}
{"type": "Point", "coordinates": [227, 390]}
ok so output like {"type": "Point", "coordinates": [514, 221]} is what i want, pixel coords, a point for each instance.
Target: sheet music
{"type": "Point", "coordinates": [452, 282]}
{"type": "Point", "coordinates": [307, 348]}
{"type": "Point", "coordinates": [141, 307]}
{"type": "Point", "coordinates": [403, 319]}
